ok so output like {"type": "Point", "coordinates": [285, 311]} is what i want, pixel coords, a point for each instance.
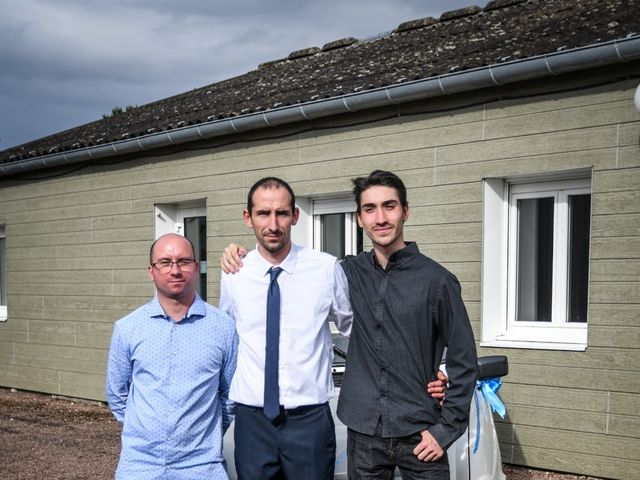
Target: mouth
{"type": "Point", "coordinates": [382, 230]}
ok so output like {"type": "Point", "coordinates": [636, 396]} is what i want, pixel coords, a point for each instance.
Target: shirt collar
{"type": "Point", "coordinates": [398, 258]}
{"type": "Point", "coordinates": [288, 264]}
{"type": "Point", "coordinates": [197, 308]}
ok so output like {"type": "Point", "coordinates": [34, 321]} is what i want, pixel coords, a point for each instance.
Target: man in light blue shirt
{"type": "Point", "coordinates": [169, 372]}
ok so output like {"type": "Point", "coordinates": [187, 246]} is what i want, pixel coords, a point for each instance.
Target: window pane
{"type": "Point", "coordinates": [195, 229]}
{"type": "Point", "coordinates": [535, 259]}
{"type": "Point", "coordinates": [3, 275]}
{"type": "Point", "coordinates": [579, 226]}
{"type": "Point", "coordinates": [333, 234]}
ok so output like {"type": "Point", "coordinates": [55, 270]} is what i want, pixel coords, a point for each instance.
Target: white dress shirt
{"type": "Point", "coordinates": [313, 291]}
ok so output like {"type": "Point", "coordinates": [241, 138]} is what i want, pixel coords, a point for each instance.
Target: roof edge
{"type": "Point", "coordinates": [565, 61]}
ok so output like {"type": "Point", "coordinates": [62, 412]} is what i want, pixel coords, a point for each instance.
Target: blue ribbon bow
{"type": "Point", "coordinates": [489, 388]}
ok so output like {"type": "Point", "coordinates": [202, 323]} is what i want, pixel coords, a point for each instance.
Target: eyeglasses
{"type": "Point", "coordinates": [165, 266]}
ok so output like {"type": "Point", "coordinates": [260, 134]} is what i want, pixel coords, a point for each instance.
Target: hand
{"type": "Point", "coordinates": [438, 387]}
{"type": "Point", "coordinates": [231, 259]}
{"type": "Point", "coordinates": [428, 450]}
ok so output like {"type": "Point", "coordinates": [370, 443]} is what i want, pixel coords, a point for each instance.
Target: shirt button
{"type": "Point", "coordinates": [383, 370]}
{"type": "Point", "coordinates": [378, 326]}
{"type": "Point", "coordinates": [382, 395]}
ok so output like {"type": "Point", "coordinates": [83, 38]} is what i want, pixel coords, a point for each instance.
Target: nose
{"type": "Point", "coordinates": [380, 216]}
{"type": "Point", "coordinates": [273, 223]}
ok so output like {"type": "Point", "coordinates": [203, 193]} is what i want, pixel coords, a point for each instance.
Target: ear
{"type": "Point", "coordinates": [296, 215]}
{"type": "Point", "coordinates": [150, 273]}
{"type": "Point", "coordinates": [405, 213]}
{"type": "Point", "coordinates": [359, 220]}
{"type": "Point", "coordinates": [246, 216]}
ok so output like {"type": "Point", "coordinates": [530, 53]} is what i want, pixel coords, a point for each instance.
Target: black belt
{"type": "Point", "coordinates": [301, 410]}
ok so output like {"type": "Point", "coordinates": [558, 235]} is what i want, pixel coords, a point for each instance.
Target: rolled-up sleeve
{"type": "Point", "coordinates": [341, 311]}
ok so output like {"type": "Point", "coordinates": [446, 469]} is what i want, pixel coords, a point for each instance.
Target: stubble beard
{"type": "Point", "coordinates": [274, 247]}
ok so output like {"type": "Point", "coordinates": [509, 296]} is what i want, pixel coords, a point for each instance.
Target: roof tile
{"type": "Point", "coordinates": [462, 39]}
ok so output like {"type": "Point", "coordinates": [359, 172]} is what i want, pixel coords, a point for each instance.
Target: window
{"type": "Point", "coordinates": [335, 228]}
{"type": "Point", "coordinates": [536, 262]}
{"type": "Point", "coordinates": [3, 276]}
{"type": "Point", "coordinates": [188, 219]}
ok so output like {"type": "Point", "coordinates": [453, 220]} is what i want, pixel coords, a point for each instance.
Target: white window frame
{"type": "Point", "coordinates": [170, 216]}
{"type": "Point", "coordinates": [3, 307]}
{"type": "Point", "coordinates": [499, 328]}
{"type": "Point", "coordinates": [332, 205]}
{"type": "Point", "coordinates": [170, 219]}
{"type": "Point", "coordinates": [308, 230]}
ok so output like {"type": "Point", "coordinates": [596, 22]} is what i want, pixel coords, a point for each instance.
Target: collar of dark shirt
{"type": "Point", "coordinates": [398, 258]}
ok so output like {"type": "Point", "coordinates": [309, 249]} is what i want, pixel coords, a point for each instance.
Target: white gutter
{"type": "Point", "coordinates": [566, 61]}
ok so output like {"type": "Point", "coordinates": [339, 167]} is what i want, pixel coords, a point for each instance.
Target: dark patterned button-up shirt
{"type": "Point", "coordinates": [404, 316]}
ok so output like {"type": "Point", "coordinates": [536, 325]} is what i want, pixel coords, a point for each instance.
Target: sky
{"type": "Point", "coordinates": [64, 63]}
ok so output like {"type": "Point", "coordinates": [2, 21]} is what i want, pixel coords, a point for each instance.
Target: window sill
{"type": "Point", "coordinates": [572, 347]}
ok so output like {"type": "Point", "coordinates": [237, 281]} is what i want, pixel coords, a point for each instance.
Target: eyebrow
{"type": "Point", "coordinates": [384, 203]}
{"type": "Point", "coordinates": [168, 259]}
{"type": "Point", "coordinates": [268, 210]}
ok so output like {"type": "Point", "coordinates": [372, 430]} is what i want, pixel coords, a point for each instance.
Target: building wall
{"type": "Point", "coordinates": [77, 247]}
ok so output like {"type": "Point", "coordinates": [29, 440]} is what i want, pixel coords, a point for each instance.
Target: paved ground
{"type": "Point", "coordinates": [47, 438]}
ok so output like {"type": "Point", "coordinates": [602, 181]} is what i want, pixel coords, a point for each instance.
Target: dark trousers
{"type": "Point", "coordinates": [299, 444]}
{"type": "Point", "coordinates": [376, 458]}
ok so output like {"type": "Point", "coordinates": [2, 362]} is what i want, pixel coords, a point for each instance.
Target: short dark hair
{"type": "Point", "coordinates": [193, 249]}
{"type": "Point", "coordinates": [383, 179]}
{"type": "Point", "coordinates": [270, 182]}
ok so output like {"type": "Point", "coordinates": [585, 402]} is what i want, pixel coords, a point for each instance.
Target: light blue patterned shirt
{"type": "Point", "coordinates": [168, 384]}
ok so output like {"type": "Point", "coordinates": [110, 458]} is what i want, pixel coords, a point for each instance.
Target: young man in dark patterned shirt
{"type": "Point", "coordinates": [407, 309]}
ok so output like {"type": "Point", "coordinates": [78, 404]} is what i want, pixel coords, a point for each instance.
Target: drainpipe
{"type": "Point", "coordinates": [566, 61]}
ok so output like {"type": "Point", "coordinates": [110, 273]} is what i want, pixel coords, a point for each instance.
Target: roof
{"type": "Point", "coordinates": [459, 41]}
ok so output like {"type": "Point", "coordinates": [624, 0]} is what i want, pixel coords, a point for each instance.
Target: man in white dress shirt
{"type": "Point", "coordinates": [300, 441]}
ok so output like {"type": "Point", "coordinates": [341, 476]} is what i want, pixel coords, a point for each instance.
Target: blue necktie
{"type": "Point", "coordinates": [272, 354]}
